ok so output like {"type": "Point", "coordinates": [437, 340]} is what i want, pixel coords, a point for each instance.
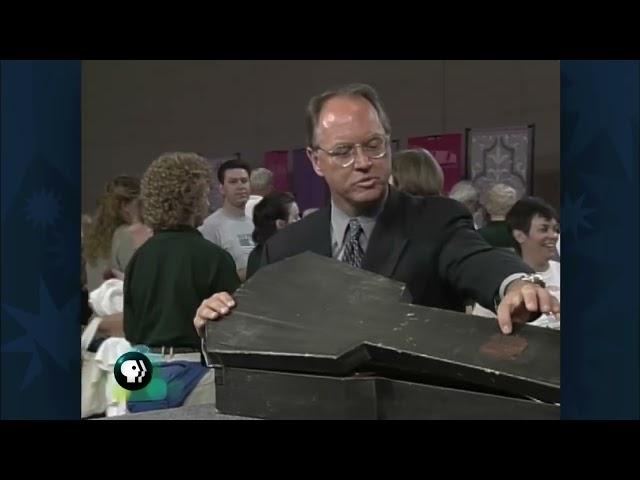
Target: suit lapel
{"type": "Point", "coordinates": [387, 240]}
{"type": "Point", "coordinates": [319, 240]}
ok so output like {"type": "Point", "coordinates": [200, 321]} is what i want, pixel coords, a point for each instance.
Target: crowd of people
{"type": "Point", "coordinates": [179, 264]}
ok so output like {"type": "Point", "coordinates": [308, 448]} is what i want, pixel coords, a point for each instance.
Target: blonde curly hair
{"type": "Point", "coordinates": [499, 200]}
{"type": "Point", "coordinates": [175, 190]}
{"type": "Point", "coordinates": [109, 215]}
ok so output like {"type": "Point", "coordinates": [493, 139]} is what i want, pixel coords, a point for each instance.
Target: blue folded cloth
{"type": "Point", "coordinates": [171, 384]}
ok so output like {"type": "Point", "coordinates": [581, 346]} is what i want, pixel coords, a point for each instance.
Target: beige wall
{"type": "Point", "coordinates": [134, 110]}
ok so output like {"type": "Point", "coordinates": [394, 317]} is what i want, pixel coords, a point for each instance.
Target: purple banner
{"type": "Point", "coordinates": [278, 163]}
{"type": "Point", "coordinates": [310, 190]}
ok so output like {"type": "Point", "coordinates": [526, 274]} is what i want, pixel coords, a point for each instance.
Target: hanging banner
{"type": "Point", "coordinates": [447, 150]}
{"type": "Point", "coordinates": [278, 162]}
{"type": "Point", "coordinates": [501, 155]}
{"type": "Point", "coordinates": [310, 190]}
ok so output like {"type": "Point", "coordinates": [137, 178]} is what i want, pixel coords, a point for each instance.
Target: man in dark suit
{"type": "Point", "coordinates": [427, 243]}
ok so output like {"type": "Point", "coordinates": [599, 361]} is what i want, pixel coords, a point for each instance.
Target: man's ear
{"type": "Point", "coordinates": [313, 158]}
{"type": "Point", "coordinates": [280, 224]}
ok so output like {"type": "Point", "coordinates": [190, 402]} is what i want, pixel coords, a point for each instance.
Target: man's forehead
{"type": "Point", "coordinates": [236, 173]}
{"type": "Point", "coordinates": [331, 119]}
{"type": "Point", "coordinates": [342, 112]}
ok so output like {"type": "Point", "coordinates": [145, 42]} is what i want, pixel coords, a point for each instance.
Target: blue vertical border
{"type": "Point", "coordinates": [40, 294]}
{"type": "Point", "coordinates": [40, 217]}
{"type": "Point", "coordinates": [600, 244]}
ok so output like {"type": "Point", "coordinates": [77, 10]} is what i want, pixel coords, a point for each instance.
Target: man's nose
{"type": "Point", "coordinates": [361, 160]}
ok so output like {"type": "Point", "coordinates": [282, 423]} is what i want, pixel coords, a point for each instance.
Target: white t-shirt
{"type": "Point", "coordinates": [551, 278]}
{"type": "Point", "coordinates": [252, 202]}
{"type": "Point", "coordinates": [233, 233]}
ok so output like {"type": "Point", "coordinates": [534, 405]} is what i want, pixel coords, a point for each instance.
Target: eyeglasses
{"type": "Point", "coordinates": [345, 154]}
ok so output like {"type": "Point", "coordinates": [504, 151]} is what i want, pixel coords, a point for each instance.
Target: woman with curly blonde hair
{"type": "Point", "coordinates": [175, 191]}
{"type": "Point", "coordinates": [176, 269]}
{"type": "Point", "coordinates": [115, 231]}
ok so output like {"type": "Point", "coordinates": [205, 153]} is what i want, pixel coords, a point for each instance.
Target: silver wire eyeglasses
{"type": "Point", "coordinates": [345, 154]}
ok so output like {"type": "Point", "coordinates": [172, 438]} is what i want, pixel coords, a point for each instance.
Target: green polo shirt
{"type": "Point", "coordinates": [166, 281]}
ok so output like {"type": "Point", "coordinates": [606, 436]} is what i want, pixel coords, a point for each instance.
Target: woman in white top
{"type": "Point", "coordinates": [535, 227]}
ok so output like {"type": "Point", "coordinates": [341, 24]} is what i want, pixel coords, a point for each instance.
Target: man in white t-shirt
{"type": "Point", "coordinates": [534, 225]}
{"type": "Point", "coordinates": [261, 184]}
{"type": "Point", "coordinates": [229, 227]}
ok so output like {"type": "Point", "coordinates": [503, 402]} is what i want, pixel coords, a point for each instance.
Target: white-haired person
{"type": "Point", "coordinates": [465, 193]}
{"type": "Point", "coordinates": [261, 185]}
{"type": "Point", "coordinates": [498, 201]}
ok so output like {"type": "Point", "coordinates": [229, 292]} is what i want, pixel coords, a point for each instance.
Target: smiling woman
{"type": "Point", "coordinates": [535, 227]}
{"type": "Point", "coordinates": [533, 223]}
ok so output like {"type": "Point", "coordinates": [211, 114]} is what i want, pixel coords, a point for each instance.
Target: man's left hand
{"type": "Point", "coordinates": [524, 302]}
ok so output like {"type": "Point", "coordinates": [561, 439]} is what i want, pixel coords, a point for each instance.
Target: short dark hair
{"type": "Point", "coordinates": [523, 211]}
{"type": "Point", "coordinates": [272, 207]}
{"type": "Point", "coordinates": [353, 90]}
{"type": "Point", "coordinates": [230, 165]}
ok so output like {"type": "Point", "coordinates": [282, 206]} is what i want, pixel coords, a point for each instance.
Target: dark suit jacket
{"type": "Point", "coordinates": [428, 243]}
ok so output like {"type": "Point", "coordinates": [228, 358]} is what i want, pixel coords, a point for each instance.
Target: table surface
{"type": "Point", "coordinates": [193, 412]}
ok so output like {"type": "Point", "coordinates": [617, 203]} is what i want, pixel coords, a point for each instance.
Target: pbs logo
{"type": "Point", "coordinates": [133, 371]}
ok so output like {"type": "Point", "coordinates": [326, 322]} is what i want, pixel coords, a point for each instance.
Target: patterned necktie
{"type": "Point", "coordinates": [353, 253]}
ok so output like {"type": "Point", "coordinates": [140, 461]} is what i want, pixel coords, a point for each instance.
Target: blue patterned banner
{"type": "Point", "coordinates": [40, 159]}
{"type": "Point", "coordinates": [600, 261]}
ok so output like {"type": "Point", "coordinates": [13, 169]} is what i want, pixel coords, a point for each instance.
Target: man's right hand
{"type": "Point", "coordinates": [213, 308]}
